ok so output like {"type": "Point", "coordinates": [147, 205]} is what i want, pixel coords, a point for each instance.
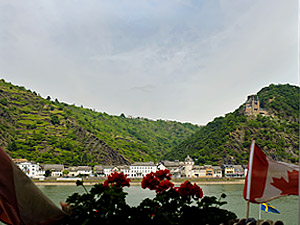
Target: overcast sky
{"type": "Point", "coordinates": [184, 60]}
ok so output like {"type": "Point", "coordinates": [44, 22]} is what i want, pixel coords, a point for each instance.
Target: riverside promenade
{"type": "Point", "coordinates": [137, 182]}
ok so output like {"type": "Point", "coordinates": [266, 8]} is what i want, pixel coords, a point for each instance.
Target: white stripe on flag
{"type": "Point", "coordinates": [250, 169]}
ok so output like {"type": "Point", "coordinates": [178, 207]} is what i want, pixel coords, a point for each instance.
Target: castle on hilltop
{"type": "Point", "coordinates": [252, 107]}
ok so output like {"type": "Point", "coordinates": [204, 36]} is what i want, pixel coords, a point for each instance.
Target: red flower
{"type": "Point", "coordinates": [164, 185]}
{"type": "Point", "coordinates": [188, 190]}
{"type": "Point", "coordinates": [150, 181]}
{"type": "Point", "coordinates": [163, 174]}
{"type": "Point", "coordinates": [117, 179]}
{"type": "Point", "coordinates": [158, 181]}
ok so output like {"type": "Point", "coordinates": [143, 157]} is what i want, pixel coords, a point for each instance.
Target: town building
{"type": "Point", "coordinates": [55, 170]}
{"type": "Point", "coordinates": [76, 171]}
{"type": "Point", "coordinates": [227, 170]}
{"type": "Point", "coordinates": [239, 171]}
{"type": "Point", "coordinates": [141, 169]}
{"type": "Point", "coordinates": [209, 171]}
{"type": "Point", "coordinates": [176, 167]}
{"type": "Point", "coordinates": [136, 170]}
{"type": "Point", "coordinates": [217, 171]}
{"type": "Point", "coordinates": [233, 171]}
{"type": "Point", "coordinates": [188, 167]}
{"type": "Point", "coordinates": [31, 169]}
{"type": "Point", "coordinates": [198, 171]}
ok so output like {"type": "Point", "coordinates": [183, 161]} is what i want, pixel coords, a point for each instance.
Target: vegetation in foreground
{"type": "Point", "coordinates": [105, 203]}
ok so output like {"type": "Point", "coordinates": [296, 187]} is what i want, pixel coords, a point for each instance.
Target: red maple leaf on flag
{"type": "Point", "coordinates": [289, 187]}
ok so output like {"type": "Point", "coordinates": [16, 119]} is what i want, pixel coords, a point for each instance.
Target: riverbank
{"type": "Point", "coordinates": [138, 182]}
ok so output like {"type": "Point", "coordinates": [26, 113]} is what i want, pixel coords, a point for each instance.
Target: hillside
{"type": "Point", "coordinates": [49, 131]}
{"type": "Point", "coordinates": [228, 138]}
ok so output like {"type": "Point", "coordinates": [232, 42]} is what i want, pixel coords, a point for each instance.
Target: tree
{"type": "Point", "coordinates": [66, 172]}
{"type": "Point", "coordinates": [54, 119]}
{"type": "Point", "coordinates": [47, 173]}
{"type": "Point", "coordinates": [12, 146]}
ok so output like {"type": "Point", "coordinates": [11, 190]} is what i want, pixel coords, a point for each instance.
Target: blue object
{"type": "Point", "coordinates": [266, 207]}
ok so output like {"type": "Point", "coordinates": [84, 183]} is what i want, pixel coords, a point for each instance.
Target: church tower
{"type": "Point", "coordinates": [188, 166]}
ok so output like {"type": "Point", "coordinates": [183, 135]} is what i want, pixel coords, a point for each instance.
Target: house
{"type": "Point", "coordinates": [209, 171]}
{"type": "Point", "coordinates": [228, 170]}
{"type": "Point", "coordinates": [239, 171]}
{"type": "Point", "coordinates": [76, 171]}
{"type": "Point", "coordinates": [99, 170]}
{"type": "Point", "coordinates": [198, 171]}
{"type": "Point", "coordinates": [217, 171]}
{"type": "Point", "coordinates": [176, 167]}
{"type": "Point", "coordinates": [107, 170]}
{"type": "Point", "coordinates": [84, 170]}
{"type": "Point", "coordinates": [72, 171]}
{"type": "Point", "coordinates": [56, 170]}
{"type": "Point", "coordinates": [31, 169]}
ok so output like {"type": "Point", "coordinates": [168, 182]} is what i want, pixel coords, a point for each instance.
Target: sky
{"type": "Point", "coordinates": [183, 60]}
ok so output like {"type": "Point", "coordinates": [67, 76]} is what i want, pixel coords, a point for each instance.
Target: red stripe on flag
{"type": "Point", "coordinates": [8, 201]}
{"type": "Point", "coordinates": [258, 175]}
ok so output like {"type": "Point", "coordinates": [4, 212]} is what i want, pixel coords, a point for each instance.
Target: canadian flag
{"type": "Point", "coordinates": [21, 201]}
{"type": "Point", "coordinates": [268, 179]}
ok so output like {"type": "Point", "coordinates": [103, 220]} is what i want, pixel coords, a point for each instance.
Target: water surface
{"type": "Point", "coordinates": [288, 206]}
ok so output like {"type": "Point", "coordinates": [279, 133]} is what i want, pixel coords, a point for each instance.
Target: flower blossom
{"type": "Point", "coordinates": [188, 190]}
{"type": "Point", "coordinates": [164, 185]}
{"type": "Point", "coordinates": [117, 179]}
{"type": "Point", "coordinates": [158, 181]}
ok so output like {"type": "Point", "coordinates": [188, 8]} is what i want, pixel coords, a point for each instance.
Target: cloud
{"type": "Point", "coordinates": [181, 60]}
{"type": "Point", "coordinates": [146, 88]}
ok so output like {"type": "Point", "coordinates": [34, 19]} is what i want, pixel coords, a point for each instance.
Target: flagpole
{"type": "Point", "coordinates": [247, 213]}
{"type": "Point", "coordinates": [259, 212]}
{"type": "Point", "coordinates": [299, 102]}
{"type": "Point", "coordinates": [249, 177]}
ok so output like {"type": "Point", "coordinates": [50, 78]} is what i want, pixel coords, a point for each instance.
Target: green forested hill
{"type": "Point", "coordinates": [228, 138]}
{"type": "Point", "coordinates": [52, 132]}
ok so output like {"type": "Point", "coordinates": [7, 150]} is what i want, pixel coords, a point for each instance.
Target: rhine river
{"type": "Point", "coordinates": [287, 206]}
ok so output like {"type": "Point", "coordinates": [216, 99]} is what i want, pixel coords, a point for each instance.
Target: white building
{"type": "Point", "coordinates": [75, 171]}
{"type": "Point", "coordinates": [176, 167]}
{"type": "Point", "coordinates": [107, 170]}
{"type": "Point", "coordinates": [140, 169]}
{"type": "Point", "coordinates": [188, 166]}
{"type": "Point", "coordinates": [125, 170]}
{"type": "Point", "coordinates": [84, 170]}
{"type": "Point", "coordinates": [198, 171]}
{"type": "Point", "coordinates": [239, 170]}
{"type": "Point", "coordinates": [217, 171]}
{"type": "Point", "coordinates": [31, 169]}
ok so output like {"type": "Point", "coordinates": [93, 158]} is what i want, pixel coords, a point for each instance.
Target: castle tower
{"type": "Point", "coordinates": [252, 106]}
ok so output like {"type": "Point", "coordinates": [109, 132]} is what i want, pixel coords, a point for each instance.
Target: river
{"type": "Point", "coordinates": [287, 206]}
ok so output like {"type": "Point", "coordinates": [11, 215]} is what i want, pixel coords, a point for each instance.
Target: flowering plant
{"type": "Point", "coordinates": [106, 204]}
{"type": "Point", "coordinates": [117, 179]}
{"type": "Point", "coordinates": [159, 181]}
